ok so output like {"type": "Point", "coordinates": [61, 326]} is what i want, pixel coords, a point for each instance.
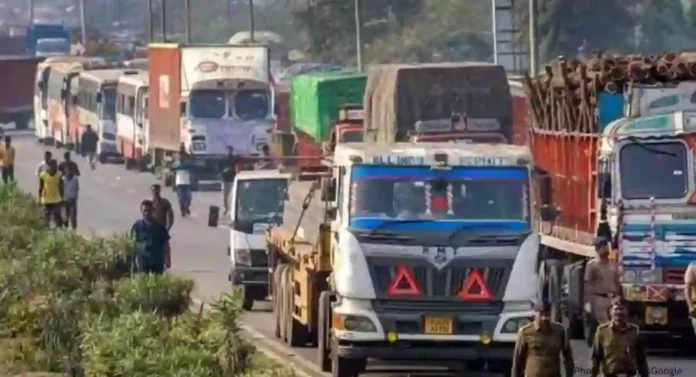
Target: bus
{"type": "Point", "coordinates": [42, 129]}
{"type": "Point", "coordinates": [96, 99]}
{"type": "Point", "coordinates": [131, 118]}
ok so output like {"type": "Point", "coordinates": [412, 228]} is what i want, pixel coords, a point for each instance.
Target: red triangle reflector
{"type": "Point", "coordinates": [475, 287]}
{"type": "Point", "coordinates": [404, 283]}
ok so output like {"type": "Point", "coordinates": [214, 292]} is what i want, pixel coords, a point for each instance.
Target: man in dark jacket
{"type": "Point", "coordinates": [88, 145]}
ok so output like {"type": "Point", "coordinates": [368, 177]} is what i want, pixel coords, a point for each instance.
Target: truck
{"type": "Point", "coordinates": [208, 98]}
{"type": "Point", "coordinates": [374, 261]}
{"type": "Point", "coordinates": [47, 40]}
{"type": "Point", "coordinates": [406, 252]}
{"type": "Point", "coordinates": [17, 105]}
{"type": "Point", "coordinates": [613, 142]}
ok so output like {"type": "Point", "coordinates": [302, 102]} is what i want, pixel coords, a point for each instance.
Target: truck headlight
{"type": "Point", "coordinates": [242, 257]}
{"type": "Point", "coordinates": [356, 323]}
{"type": "Point", "coordinates": [514, 324]}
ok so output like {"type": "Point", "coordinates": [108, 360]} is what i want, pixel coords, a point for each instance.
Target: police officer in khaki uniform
{"type": "Point", "coordinates": [690, 292]}
{"type": "Point", "coordinates": [618, 350]}
{"type": "Point", "coordinates": [602, 282]}
{"type": "Point", "coordinates": [540, 347]}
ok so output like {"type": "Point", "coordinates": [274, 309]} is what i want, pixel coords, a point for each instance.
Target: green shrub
{"type": "Point", "coordinates": [71, 304]}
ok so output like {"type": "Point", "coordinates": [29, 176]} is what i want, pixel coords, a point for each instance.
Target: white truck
{"type": "Point", "coordinates": [408, 252]}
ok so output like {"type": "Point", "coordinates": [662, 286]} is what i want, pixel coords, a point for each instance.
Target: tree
{"type": "Point", "coordinates": [329, 25]}
{"type": "Point", "coordinates": [566, 25]}
{"type": "Point", "coordinates": [661, 25]}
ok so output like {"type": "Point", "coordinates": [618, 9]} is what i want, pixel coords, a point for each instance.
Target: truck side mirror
{"type": "Point", "coordinates": [604, 185]}
{"type": "Point", "coordinates": [63, 94]}
{"type": "Point", "coordinates": [547, 210]}
{"type": "Point", "coordinates": [99, 97]}
{"type": "Point", "coordinates": [182, 108]}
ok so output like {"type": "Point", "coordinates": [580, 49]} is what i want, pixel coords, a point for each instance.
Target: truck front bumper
{"type": "Point", "coordinates": [254, 280]}
{"type": "Point", "coordinates": [424, 350]}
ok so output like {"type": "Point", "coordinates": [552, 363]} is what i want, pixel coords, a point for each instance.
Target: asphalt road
{"type": "Point", "coordinates": [109, 202]}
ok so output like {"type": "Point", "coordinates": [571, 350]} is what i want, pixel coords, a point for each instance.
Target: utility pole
{"type": "Point", "coordinates": [31, 12]}
{"type": "Point", "coordinates": [228, 18]}
{"type": "Point", "coordinates": [252, 21]}
{"type": "Point", "coordinates": [358, 36]}
{"type": "Point", "coordinates": [164, 21]}
{"type": "Point", "coordinates": [151, 20]}
{"type": "Point", "coordinates": [187, 6]}
{"type": "Point", "coordinates": [83, 26]}
{"type": "Point", "coordinates": [533, 45]}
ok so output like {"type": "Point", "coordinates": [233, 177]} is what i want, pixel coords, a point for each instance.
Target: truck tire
{"type": "Point", "coordinates": [247, 303]}
{"type": "Point", "coordinates": [295, 332]}
{"type": "Point", "coordinates": [324, 332]}
{"type": "Point", "coordinates": [571, 320]}
{"type": "Point", "coordinates": [278, 299]}
{"type": "Point", "coordinates": [344, 367]}
{"type": "Point", "coordinates": [553, 282]}
{"type": "Point", "coordinates": [589, 327]}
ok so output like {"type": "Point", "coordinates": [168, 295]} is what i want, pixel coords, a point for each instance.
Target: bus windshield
{"type": "Point", "coordinates": [108, 103]}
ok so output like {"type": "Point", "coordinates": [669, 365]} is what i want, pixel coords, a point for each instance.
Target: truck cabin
{"type": "Point", "coordinates": [381, 184]}
{"type": "Point", "coordinates": [348, 129]}
{"type": "Point", "coordinates": [257, 200]}
{"type": "Point", "coordinates": [242, 100]}
{"type": "Point", "coordinates": [52, 47]}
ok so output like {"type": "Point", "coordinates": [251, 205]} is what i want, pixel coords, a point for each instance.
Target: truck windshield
{"type": "Point", "coordinates": [352, 136]}
{"type": "Point", "coordinates": [207, 104]}
{"type": "Point", "coordinates": [251, 104]}
{"type": "Point", "coordinates": [258, 200]}
{"type": "Point", "coordinates": [53, 46]}
{"type": "Point", "coordinates": [654, 170]}
{"type": "Point", "coordinates": [406, 193]}
{"type": "Point", "coordinates": [108, 104]}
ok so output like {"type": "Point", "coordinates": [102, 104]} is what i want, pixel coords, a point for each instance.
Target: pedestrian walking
{"type": "Point", "coordinates": [68, 164]}
{"type": "Point", "coordinates": [182, 181]}
{"type": "Point", "coordinates": [162, 208]}
{"type": "Point", "coordinates": [7, 160]}
{"type": "Point", "coordinates": [542, 348]}
{"type": "Point", "coordinates": [690, 292]}
{"type": "Point", "coordinates": [71, 190]}
{"type": "Point", "coordinates": [617, 350]}
{"type": "Point", "coordinates": [152, 253]}
{"type": "Point", "coordinates": [51, 194]}
{"type": "Point", "coordinates": [88, 145]}
{"type": "Point", "coordinates": [43, 165]}
{"type": "Point", "coordinates": [602, 284]}
{"type": "Point", "coordinates": [228, 174]}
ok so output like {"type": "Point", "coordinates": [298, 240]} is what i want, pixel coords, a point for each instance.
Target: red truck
{"type": "Point", "coordinates": [17, 104]}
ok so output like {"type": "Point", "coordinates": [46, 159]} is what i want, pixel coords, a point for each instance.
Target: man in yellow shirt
{"type": "Point", "coordinates": [7, 160]}
{"type": "Point", "coordinates": [51, 194]}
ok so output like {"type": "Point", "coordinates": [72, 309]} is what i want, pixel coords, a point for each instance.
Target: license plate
{"type": "Point", "coordinates": [438, 325]}
{"type": "Point", "coordinates": [655, 315]}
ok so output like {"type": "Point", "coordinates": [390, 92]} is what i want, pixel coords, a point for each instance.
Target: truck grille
{"type": "Point", "coordinates": [441, 284]}
{"type": "Point", "coordinates": [673, 275]}
{"type": "Point", "coordinates": [259, 258]}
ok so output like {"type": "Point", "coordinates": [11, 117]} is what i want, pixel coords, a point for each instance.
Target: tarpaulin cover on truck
{"type": "Point", "coordinates": [399, 95]}
{"type": "Point", "coordinates": [317, 97]}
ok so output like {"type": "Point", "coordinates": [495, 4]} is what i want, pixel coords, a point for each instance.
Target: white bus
{"type": "Point", "coordinates": [42, 128]}
{"type": "Point", "coordinates": [131, 118]}
{"type": "Point", "coordinates": [97, 107]}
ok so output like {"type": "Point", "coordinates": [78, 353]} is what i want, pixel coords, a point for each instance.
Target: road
{"type": "Point", "coordinates": [109, 202]}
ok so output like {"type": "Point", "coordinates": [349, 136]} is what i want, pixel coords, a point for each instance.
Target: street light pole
{"type": "Point", "coordinates": [150, 20]}
{"type": "Point", "coordinates": [358, 35]}
{"type": "Point", "coordinates": [187, 6]}
{"type": "Point", "coordinates": [252, 21]}
{"type": "Point", "coordinates": [533, 45]}
{"type": "Point", "coordinates": [83, 26]}
{"type": "Point", "coordinates": [164, 21]}
{"type": "Point", "coordinates": [31, 12]}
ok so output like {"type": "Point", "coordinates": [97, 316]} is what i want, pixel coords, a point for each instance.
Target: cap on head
{"type": "Point", "coordinates": [543, 306]}
{"type": "Point", "coordinates": [600, 242]}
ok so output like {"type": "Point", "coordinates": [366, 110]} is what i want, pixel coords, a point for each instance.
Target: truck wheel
{"type": "Point", "coordinates": [296, 332]}
{"type": "Point", "coordinates": [278, 298]}
{"type": "Point", "coordinates": [168, 179]}
{"type": "Point", "coordinates": [554, 292]}
{"type": "Point", "coordinates": [324, 332]}
{"type": "Point", "coordinates": [247, 302]}
{"type": "Point", "coordinates": [102, 158]}
{"type": "Point", "coordinates": [344, 367]}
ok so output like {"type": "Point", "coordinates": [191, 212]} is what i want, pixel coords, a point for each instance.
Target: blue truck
{"type": "Point", "coordinates": [46, 40]}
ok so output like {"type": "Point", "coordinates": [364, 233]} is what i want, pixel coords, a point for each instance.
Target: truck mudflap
{"type": "Point", "coordinates": [659, 309]}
